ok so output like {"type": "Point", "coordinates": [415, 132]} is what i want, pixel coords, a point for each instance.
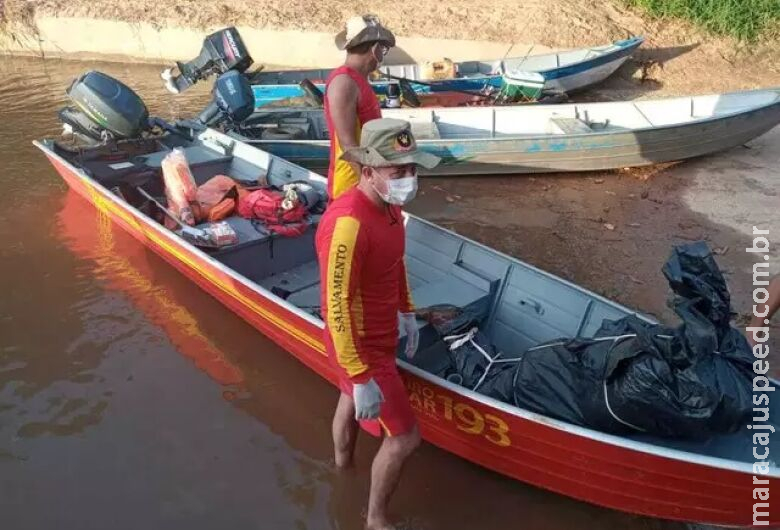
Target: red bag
{"type": "Point", "coordinates": [216, 198]}
{"type": "Point", "coordinates": [283, 214]}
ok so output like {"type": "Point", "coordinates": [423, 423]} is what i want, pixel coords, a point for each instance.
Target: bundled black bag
{"type": "Point", "coordinates": [690, 381]}
{"type": "Point", "coordinates": [473, 361]}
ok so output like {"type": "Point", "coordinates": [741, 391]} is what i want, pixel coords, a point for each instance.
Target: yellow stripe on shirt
{"type": "Point", "coordinates": [339, 319]}
{"type": "Point", "coordinates": [344, 174]}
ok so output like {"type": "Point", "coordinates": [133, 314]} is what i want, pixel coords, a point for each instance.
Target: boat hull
{"type": "Point", "coordinates": [597, 468]}
{"type": "Point", "coordinates": [268, 94]}
{"type": "Point", "coordinates": [270, 87]}
{"type": "Point", "coordinates": [578, 152]}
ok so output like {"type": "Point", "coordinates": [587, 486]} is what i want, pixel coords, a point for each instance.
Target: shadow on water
{"type": "Point", "coordinates": [294, 404]}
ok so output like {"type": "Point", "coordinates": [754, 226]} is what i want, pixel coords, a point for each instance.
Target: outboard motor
{"type": "Point", "coordinates": [104, 108]}
{"type": "Point", "coordinates": [233, 101]}
{"type": "Point", "coordinates": [222, 51]}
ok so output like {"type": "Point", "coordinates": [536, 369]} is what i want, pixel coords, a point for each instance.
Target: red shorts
{"type": "Point", "coordinates": [396, 415]}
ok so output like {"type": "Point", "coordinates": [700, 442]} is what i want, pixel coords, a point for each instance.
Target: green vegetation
{"type": "Point", "coordinates": [746, 20]}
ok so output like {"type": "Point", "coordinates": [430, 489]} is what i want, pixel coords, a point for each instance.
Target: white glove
{"type": "Point", "coordinates": [368, 398]}
{"type": "Point", "coordinates": [409, 323]}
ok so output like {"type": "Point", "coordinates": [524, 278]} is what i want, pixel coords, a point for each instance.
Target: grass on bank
{"type": "Point", "coordinates": [747, 20]}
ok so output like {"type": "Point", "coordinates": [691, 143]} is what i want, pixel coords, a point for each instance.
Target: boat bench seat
{"type": "Point", "coordinates": [425, 130]}
{"type": "Point", "coordinates": [252, 233]}
{"type": "Point", "coordinates": [570, 125]}
{"type": "Point", "coordinates": [451, 291]}
{"type": "Point", "coordinates": [260, 254]}
{"type": "Point", "coordinates": [300, 286]}
{"type": "Point", "coordinates": [204, 163]}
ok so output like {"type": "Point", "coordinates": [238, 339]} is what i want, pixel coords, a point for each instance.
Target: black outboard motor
{"type": "Point", "coordinates": [104, 108]}
{"type": "Point", "coordinates": [233, 100]}
{"type": "Point", "coordinates": [222, 51]}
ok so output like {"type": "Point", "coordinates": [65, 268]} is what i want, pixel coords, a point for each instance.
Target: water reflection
{"type": "Point", "coordinates": [129, 398]}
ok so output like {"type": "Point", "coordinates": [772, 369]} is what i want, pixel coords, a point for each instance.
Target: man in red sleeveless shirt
{"type": "Point", "coordinates": [349, 99]}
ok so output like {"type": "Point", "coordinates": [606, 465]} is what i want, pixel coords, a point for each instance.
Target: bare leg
{"type": "Point", "coordinates": [385, 474]}
{"type": "Point", "coordinates": [345, 429]}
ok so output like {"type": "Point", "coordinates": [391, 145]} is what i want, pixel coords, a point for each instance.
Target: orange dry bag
{"type": "Point", "coordinates": [180, 189]}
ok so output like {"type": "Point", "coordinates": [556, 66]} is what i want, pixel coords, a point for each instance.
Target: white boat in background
{"type": "Point", "coordinates": [565, 71]}
{"type": "Point", "coordinates": [542, 138]}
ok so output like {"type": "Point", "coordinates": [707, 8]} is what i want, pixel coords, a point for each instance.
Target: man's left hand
{"type": "Point", "coordinates": [409, 324]}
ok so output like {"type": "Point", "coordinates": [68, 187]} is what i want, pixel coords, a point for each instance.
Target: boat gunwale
{"type": "Point", "coordinates": [623, 50]}
{"type": "Point", "coordinates": [620, 442]}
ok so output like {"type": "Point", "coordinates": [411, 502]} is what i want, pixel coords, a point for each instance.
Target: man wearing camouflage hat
{"type": "Point", "coordinates": [350, 101]}
{"type": "Point", "coordinates": [360, 248]}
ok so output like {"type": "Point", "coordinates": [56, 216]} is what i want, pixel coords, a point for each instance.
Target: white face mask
{"type": "Point", "coordinates": [399, 191]}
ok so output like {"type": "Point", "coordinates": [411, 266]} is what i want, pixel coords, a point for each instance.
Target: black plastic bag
{"type": "Point", "coordinates": [448, 319]}
{"type": "Point", "coordinates": [472, 356]}
{"type": "Point", "coordinates": [690, 381]}
{"type": "Point", "coordinates": [565, 379]}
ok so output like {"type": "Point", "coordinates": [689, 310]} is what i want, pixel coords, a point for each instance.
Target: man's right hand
{"type": "Point", "coordinates": [368, 399]}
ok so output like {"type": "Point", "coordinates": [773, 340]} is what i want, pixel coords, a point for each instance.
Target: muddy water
{"type": "Point", "coordinates": [130, 399]}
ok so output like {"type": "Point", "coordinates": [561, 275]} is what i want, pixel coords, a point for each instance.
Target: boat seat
{"type": "Point", "coordinates": [307, 299]}
{"type": "Point", "coordinates": [196, 156]}
{"type": "Point", "coordinates": [204, 163]}
{"type": "Point", "coordinates": [570, 125]}
{"type": "Point", "coordinates": [251, 233]}
{"type": "Point", "coordinates": [294, 280]}
{"type": "Point", "coordinates": [451, 291]}
{"type": "Point", "coordinates": [426, 130]}
{"type": "Point", "coordinates": [259, 254]}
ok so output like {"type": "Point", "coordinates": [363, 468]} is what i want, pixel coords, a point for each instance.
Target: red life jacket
{"type": "Point", "coordinates": [267, 206]}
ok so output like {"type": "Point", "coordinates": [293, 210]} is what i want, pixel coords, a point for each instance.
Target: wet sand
{"type": "Point", "coordinates": [129, 398]}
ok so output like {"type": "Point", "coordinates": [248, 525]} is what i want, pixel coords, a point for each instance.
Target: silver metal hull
{"type": "Point", "coordinates": [591, 151]}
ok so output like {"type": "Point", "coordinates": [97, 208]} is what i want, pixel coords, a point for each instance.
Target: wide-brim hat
{"type": "Point", "coordinates": [362, 29]}
{"type": "Point", "coordinates": [389, 142]}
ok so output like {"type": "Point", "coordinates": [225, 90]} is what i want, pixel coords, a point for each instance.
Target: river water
{"type": "Point", "coordinates": [130, 399]}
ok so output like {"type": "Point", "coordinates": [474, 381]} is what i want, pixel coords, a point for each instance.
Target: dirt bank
{"type": "Point", "coordinates": [677, 58]}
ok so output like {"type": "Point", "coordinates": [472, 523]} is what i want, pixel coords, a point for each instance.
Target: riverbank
{"type": "Point", "coordinates": [677, 57]}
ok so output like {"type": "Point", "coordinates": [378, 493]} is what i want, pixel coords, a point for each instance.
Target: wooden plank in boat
{"type": "Point", "coordinates": [571, 125]}
{"type": "Point", "coordinates": [425, 130]}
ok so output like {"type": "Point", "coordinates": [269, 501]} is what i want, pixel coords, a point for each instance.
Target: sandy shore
{"type": "Point", "coordinates": [676, 58]}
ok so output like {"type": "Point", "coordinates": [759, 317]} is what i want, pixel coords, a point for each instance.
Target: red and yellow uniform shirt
{"type": "Point", "coordinates": [341, 174]}
{"type": "Point", "coordinates": [360, 248]}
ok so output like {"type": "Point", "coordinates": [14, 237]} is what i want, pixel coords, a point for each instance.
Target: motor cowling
{"type": "Point", "coordinates": [233, 100]}
{"type": "Point", "coordinates": [104, 107]}
{"type": "Point", "coordinates": [222, 51]}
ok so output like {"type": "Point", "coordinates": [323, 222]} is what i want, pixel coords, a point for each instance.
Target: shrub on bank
{"type": "Point", "coordinates": [744, 19]}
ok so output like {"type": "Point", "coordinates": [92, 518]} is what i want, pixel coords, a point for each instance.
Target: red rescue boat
{"type": "Point", "coordinates": [272, 282]}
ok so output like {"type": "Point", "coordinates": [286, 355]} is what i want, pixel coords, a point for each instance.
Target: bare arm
{"type": "Point", "coordinates": [342, 102]}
